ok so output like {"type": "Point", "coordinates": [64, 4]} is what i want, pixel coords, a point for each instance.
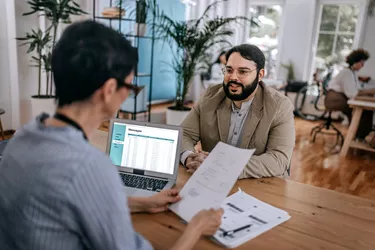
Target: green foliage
{"type": "Point", "coordinates": [290, 68]}
{"type": "Point", "coordinates": [191, 42]}
{"type": "Point", "coordinates": [137, 9]}
{"type": "Point", "coordinates": [41, 43]}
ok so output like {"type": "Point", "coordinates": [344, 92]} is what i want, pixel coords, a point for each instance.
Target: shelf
{"type": "Point", "coordinates": [131, 112]}
{"type": "Point", "coordinates": [143, 75]}
{"type": "Point", "coordinates": [143, 37]}
{"type": "Point", "coordinates": [114, 18]}
{"type": "Point", "coordinates": [359, 145]}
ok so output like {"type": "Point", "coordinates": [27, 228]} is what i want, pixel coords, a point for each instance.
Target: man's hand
{"type": "Point", "coordinates": [154, 204]}
{"type": "Point", "coordinates": [194, 160]}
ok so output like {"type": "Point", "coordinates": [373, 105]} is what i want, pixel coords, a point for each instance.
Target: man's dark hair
{"type": "Point", "coordinates": [86, 56]}
{"type": "Point", "coordinates": [357, 56]}
{"type": "Point", "coordinates": [249, 52]}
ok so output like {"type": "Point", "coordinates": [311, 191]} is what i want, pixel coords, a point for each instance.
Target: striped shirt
{"type": "Point", "coordinates": [59, 192]}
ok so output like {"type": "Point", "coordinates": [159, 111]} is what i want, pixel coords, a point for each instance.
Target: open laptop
{"type": "Point", "coordinates": [146, 155]}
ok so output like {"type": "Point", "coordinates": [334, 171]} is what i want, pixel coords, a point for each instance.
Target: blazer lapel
{"type": "Point", "coordinates": [253, 118]}
{"type": "Point", "coordinates": [223, 119]}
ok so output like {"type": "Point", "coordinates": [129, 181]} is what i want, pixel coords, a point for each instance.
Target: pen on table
{"type": "Point", "coordinates": [226, 233]}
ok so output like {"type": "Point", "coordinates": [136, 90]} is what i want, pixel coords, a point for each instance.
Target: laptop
{"type": "Point", "coordinates": [146, 155]}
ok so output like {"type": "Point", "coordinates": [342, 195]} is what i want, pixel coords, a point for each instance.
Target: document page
{"type": "Point", "coordinates": [212, 181]}
{"type": "Point", "coordinates": [246, 217]}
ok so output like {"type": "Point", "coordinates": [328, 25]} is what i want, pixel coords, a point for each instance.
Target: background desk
{"type": "Point", "coordinates": [321, 218]}
{"type": "Point", "coordinates": [358, 107]}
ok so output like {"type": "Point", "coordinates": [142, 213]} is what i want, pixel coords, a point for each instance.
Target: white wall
{"type": "Point", "coordinates": [369, 45]}
{"type": "Point", "coordinates": [5, 102]}
{"type": "Point", "coordinates": [27, 76]}
{"type": "Point", "coordinates": [297, 32]}
{"type": "Point", "coordinates": [8, 67]}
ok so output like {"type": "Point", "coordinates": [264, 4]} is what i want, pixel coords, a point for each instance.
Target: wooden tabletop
{"type": "Point", "coordinates": [321, 218]}
{"type": "Point", "coordinates": [369, 105]}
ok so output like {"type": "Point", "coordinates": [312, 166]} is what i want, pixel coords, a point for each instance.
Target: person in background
{"type": "Point", "coordinates": [243, 112]}
{"type": "Point", "coordinates": [57, 191]}
{"type": "Point", "coordinates": [347, 85]}
{"type": "Point", "coordinates": [217, 67]}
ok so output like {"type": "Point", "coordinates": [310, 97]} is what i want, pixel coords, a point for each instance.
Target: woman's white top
{"type": "Point", "coordinates": [346, 82]}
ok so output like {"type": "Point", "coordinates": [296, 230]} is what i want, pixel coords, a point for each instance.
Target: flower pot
{"type": "Point", "coordinates": [140, 29]}
{"type": "Point", "coordinates": [42, 104]}
{"type": "Point", "coordinates": [176, 117]}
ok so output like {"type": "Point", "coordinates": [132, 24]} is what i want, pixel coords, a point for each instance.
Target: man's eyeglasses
{"type": "Point", "coordinates": [241, 73]}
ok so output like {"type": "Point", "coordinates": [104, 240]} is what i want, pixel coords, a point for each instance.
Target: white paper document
{"type": "Point", "coordinates": [212, 181]}
{"type": "Point", "coordinates": [246, 217]}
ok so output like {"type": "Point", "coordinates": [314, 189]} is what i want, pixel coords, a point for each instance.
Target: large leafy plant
{"type": "Point", "coordinates": [40, 43]}
{"type": "Point", "coordinates": [191, 42]}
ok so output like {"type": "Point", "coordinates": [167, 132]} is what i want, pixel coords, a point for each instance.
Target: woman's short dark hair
{"type": "Point", "coordinates": [357, 56]}
{"type": "Point", "coordinates": [218, 58]}
{"type": "Point", "coordinates": [249, 52]}
{"type": "Point", "coordinates": [86, 56]}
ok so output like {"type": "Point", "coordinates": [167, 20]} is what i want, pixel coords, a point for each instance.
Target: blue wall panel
{"type": "Point", "coordinates": [164, 80]}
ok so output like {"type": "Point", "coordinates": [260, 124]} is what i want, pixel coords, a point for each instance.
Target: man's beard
{"type": "Point", "coordinates": [246, 90]}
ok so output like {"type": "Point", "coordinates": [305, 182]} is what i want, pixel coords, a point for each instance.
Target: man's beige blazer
{"type": "Point", "coordinates": [269, 129]}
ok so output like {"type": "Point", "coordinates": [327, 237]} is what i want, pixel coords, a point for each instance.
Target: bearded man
{"type": "Point", "coordinates": [244, 113]}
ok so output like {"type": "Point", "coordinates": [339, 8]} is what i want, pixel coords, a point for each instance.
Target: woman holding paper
{"type": "Point", "coordinates": [57, 191]}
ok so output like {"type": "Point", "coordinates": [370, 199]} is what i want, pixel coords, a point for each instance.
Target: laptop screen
{"type": "Point", "coordinates": [143, 147]}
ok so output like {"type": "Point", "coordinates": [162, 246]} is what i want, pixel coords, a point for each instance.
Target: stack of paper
{"type": "Point", "coordinates": [246, 217]}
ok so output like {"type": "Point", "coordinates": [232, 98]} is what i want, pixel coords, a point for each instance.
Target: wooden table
{"type": "Point", "coordinates": [358, 107]}
{"type": "Point", "coordinates": [321, 218]}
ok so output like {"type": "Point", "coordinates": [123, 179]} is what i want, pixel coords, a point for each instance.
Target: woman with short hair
{"type": "Point", "coordinates": [346, 85]}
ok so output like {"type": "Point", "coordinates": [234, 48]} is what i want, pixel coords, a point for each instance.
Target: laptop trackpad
{"type": "Point", "coordinates": [138, 192]}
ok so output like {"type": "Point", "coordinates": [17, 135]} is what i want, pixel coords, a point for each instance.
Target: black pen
{"type": "Point", "coordinates": [226, 233]}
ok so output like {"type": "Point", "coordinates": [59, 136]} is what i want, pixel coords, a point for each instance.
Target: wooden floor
{"type": "Point", "coordinates": [317, 163]}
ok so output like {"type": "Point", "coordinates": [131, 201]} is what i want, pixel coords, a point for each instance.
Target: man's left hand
{"type": "Point", "coordinates": [160, 201]}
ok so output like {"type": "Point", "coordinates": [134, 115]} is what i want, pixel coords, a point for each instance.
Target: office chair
{"type": "Point", "coordinates": [328, 125]}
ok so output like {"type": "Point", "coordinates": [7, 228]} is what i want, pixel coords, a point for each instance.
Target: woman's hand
{"type": "Point", "coordinates": [208, 221]}
{"type": "Point", "coordinates": [160, 201]}
{"type": "Point", "coordinates": [154, 204]}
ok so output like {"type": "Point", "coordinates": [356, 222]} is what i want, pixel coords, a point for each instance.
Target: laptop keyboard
{"type": "Point", "coordinates": [141, 182]}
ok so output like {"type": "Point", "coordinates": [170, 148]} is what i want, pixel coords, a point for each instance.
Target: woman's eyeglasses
{"type": "Point", "coordinates": [136, 89]}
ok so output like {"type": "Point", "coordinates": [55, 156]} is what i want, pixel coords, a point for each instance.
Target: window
{"type": "Point", "coordinates": [336, 36]}
{"type": "Point", "coordinates": [265, 35]}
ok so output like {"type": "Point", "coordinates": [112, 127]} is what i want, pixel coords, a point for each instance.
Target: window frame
{"type": "Point", "coordinates": [358, 34]}
{"type": "Point", "coordinates": [280, 39]}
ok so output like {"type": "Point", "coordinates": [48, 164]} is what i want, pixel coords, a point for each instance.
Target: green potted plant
{"type": "Point", "coordinates": [138, 10]}
{"type": "Point", "coordinates": [290, 68]}
{"type": "Point", "coordinates": [141, 16]}
{"type": "Point", "coordinates": [41, 43]}
{"type": "Point", "coordinates": [191, 42]}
